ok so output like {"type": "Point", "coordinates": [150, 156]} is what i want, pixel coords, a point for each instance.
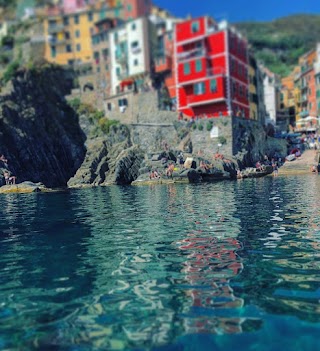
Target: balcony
{"type": "Point", "coordinates": [213, 72]}
{"type": "Point", "coordinates": [204, 99]}
{"type": "Point", "coordinates": [56, 28]}
{"type": "Point", "coordinates": [163, 63]}
{"type": "Point", "coordinates": [198, 52]}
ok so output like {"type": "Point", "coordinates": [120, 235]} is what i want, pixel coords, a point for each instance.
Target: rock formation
{"type": "Point", "coordinates": [39, 132]}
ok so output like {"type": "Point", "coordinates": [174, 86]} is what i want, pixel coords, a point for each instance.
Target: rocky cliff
{"type": "Point", "coordinates": [39, 132]}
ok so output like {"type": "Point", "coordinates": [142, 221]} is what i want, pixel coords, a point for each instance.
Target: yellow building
{"type": "Point", "coordinates": [68, 37]}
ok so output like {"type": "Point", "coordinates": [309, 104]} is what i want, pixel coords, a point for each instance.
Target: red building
{"type": "Point", "coordinates": [211, 69]}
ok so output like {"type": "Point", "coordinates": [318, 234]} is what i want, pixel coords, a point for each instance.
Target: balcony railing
{"type": "Point", "coordinates": [208, 73]}
{"type": "Point", "coordinates": [199, 99]}
{"type": "Point", "coordinates": [198, 52]}
{"type": "Point", "coordinates": [56, 28]}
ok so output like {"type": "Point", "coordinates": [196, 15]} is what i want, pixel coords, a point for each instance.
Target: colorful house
{"type": "Point", "coordinates": [131, 51]}
{"type": "Point", "coordinates": [211, 70]}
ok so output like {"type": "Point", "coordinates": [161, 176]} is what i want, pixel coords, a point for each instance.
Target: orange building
{"type": "Point", "coordinates": [307, 84]}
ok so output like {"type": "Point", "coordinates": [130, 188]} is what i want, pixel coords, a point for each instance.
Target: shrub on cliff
{"type": "Point", "coordinates": [10, 71]}
{"type": "Point", "coordinates": [105, 124]}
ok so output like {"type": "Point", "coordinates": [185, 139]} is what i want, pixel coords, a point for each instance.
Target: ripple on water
{"type": "Point", "coordinates": [224, 266]}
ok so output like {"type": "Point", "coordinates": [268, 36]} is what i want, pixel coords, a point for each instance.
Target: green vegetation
{"type": "Point", "coordinates": [95, 117]}
{"type": "Point", "coordinates": [278, 44]}
{"type": "Point", "coordinates": [222, 140]}
{"type": "Point", "coordinates": [10, 71]}
{"type": "Point", "coordinates": [105, 124]}
{"type": "Point", "coordinates": [200, 126]}
{"type": "Point", "coordinates": [209, 125]}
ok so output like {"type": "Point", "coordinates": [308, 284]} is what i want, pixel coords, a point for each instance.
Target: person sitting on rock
{"type": "Point", "coordinates": [204, 165]}
{"type": "Point", "coordinates": [169, 170]}
{"type": "Point", "coordinates": [151, 174]}
{"type": "Point", "coordinates": [258, 166]}
{"type": "Point", "coordinates": [6, 177]}
{"type": "Point", "coordinates": [239, 174]}
{"type": "Point", "coordinates": [12, 180]}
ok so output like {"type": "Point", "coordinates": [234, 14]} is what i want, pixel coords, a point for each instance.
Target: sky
{"type": "Point", "coordinates": [240, 10]}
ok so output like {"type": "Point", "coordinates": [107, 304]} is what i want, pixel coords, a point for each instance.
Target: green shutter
{"type": "Point", "coordinates": [186, 68]}
{"type": "Point", "coordinates": [198, 66]}
{"type": "Point", "coordinates": [213, 85]}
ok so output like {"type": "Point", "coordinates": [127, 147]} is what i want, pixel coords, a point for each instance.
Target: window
{"type": "Point", "coordinates": [77, 33]}
{"type": "Point", "coordinates": [133, 26]}
{"type": "Point", "coordinates": [199, 88]}
{"type": "Point", "coordinates": [241, 90]}
{"type": "Point", "coordinates": [65, 21]}
{"type": "Point", "coordinates": [186, 68]}
{"type": "Point", "coordinates": [106, 67]}
{"type": "Point", "coordinates": [240, 70]}
{"type": "Point", "coordinates": [232, 65]}
{"type": "Point", "coordinates": [213, 85]}
{"type": "Point", "coordinates": [198, 66]}
{"type": "Point", "coordinates": [135, 62]}
{"type": "Point", "coordinates": [53, 51]}
{"type": "Point", "coordinates": [170, 36]}
{"type": "Point", "coordinates": [118, 71]}
{"type": "Point", "coordinates": [134, 44]}
{"type": "Point", "coordinates": [122, 102]}
{"type": "Point", "coordinates": [195, 27]}
{"type": "Point", "coordinates": [96, 57]}
{"type": "Point", "coordinates": [76, 19]}
{"type": "Point", "coordinates": [90, 16]}
{"type": "Point", "coordinates": [105, 53]}
{"type": "Point", "coordinates": [52, 23]}
{"type": "Point", "coordinates": [109, 106]}
{"type": "Point", "coordinates": [68, 48]}
{"type": "Point", "coordinates": [67, 35]}
{"type": "Point", "coordinates": [129, 8]}
{"type": "Point", "coordinates": [78, 47]}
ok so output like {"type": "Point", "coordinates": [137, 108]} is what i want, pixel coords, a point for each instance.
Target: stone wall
{"type": "Point", "coordinates": [234, 136]}
{"type": "Point", "coordinates": [206, 143]}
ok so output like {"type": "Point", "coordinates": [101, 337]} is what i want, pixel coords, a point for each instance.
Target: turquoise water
{"type": "Point", "coordinates": [226, 266]}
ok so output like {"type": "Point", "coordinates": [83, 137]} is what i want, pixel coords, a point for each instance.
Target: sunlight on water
{"type": "Point", "coordinates": [224, 266]}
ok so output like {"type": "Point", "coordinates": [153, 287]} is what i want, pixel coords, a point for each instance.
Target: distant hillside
{"type": "Point", "coordinates": [278, 44]}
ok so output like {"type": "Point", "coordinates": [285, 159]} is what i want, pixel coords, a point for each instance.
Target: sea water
{"type": "Point", "coordinates": [225, 266]}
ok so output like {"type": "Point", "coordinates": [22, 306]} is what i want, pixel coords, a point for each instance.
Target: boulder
{"type": "Point", "coordinates": [25, 187]}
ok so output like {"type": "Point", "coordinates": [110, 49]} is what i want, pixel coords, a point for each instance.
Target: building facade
{"type": "Point", "coordinates": [317, 79]}
{"type": "Point", "coordinates": [271, 86]}
{"type": "Point", "coordinates": [211, 69]}
{"type": "Point", "coordinates": [131, 49]}
{"type": "Point", "coordinates": [307, 85]}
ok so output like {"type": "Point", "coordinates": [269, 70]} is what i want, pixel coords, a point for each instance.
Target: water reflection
{"type": "Point", "coordinates": [132, 268]}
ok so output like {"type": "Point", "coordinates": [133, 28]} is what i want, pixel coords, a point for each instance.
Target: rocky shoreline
{"type": "Point", "coordinates": [48, 139]}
